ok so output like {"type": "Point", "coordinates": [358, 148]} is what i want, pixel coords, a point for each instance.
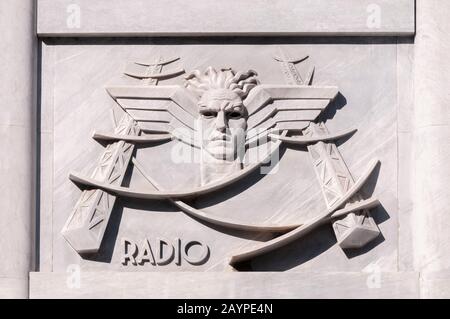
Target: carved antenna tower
{"type": "Point", "coordinates": [85, 228]}
{"type": "Point", "coordinates": [357, 228]}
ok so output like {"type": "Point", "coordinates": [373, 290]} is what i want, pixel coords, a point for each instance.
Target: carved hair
{"type": "Point", "coordinates": [240, 83]}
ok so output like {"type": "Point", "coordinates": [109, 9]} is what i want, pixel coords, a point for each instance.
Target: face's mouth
{"type": "Point", "coordinates": [220, 146]}
{"type": "Point", "coordinates": [220, 137]}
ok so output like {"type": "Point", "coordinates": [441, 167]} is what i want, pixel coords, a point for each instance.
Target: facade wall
{"type": "Point", "coordinates": [18, 82]}
{"type": "Point", "coordinates": [387, 60]}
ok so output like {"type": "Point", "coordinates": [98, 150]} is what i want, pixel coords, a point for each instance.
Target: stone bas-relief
{"type": "Point", "coordinates": [226, 114]}
{"type": "Point", "coordinates": [78, 52]}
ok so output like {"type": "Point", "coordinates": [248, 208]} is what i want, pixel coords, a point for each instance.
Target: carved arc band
{"type": "Point", "coordinates": [157, 193]}
{"type": "Point", "coordinates": [152, 194]}
{"type": "Point", "coordinates": [301, 140]}
{"type": "Point", "coordinates": [144, 139]}
{"type": "Point", "coordinates": [215, 220]}
{"type": "Point", "coordinates": [314, 222]}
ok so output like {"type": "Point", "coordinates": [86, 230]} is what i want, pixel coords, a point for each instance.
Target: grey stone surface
{"type": "Point", "coordinates": [261, 17]}
{"type": "Point", "coordinates": [46, 165]}
{"type": "Point", "coordinates": [224, 285]}
{"type": "Point", "coordinates": [18, 53]}
{"type": "Point", "coordinates": [435, 284]}
{"type": "Point", "coordinates": [405, 114]}
{"type": "Point", "coordinates": [14, 288]}
{"type": "Point", "coordinates": [431, 151]}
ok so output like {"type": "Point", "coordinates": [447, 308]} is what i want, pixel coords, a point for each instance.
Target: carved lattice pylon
{"type": "Point", "coordinates": [357, 228]}
{"type": "Point", "coordinates": [86, 226]}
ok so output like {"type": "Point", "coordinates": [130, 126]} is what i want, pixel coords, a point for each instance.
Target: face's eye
{"type": "Point", "coordinates": [209, 114]}
{"type": "Point", "coordinates": [234, 115]}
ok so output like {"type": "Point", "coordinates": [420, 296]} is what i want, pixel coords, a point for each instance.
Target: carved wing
{"type": "Point", "coordinates": [157, 109]}
{"type": "Point", "coordinates": [165, 108]}
{"type": "Point", "coordinates": [285, 107]}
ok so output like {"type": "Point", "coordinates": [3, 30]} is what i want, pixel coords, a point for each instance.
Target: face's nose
{"type": "Point", "coordinates": [220, 122]}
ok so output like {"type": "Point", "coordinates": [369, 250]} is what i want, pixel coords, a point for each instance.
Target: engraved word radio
{"type": "Point", "coordinates": [161, 252]}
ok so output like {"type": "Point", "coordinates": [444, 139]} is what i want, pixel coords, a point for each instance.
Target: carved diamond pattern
{"type": "Point", "coordinates": [100, 211]}
{"type": "Point", "coordinates": [82, 209]}
{"type": "Point", "coordinates": [333, 175]}
{"type": "Point", "coordinates": [315, 156]}
{"type": "Point", "coordinates": [340, 227]}
{"type": "Point", "coordinates": [96, 205]}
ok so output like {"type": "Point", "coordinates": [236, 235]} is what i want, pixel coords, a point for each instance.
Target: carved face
{"type": "Point", "coordinates": [223, 123]}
